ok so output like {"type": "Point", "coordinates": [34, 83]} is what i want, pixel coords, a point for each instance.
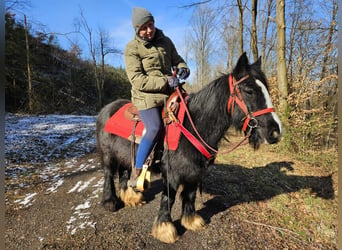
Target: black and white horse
{"type": "Point", "coordinates": [240, 99]}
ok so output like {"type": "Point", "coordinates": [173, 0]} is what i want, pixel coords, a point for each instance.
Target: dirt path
{"type": "Point", "coordinates": [63, 211]}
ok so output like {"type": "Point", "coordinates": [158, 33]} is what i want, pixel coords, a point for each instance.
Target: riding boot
{"type": "Point", "coordinates": [141, 180]}
{"type": "Point", "coordinates": [134, 177]}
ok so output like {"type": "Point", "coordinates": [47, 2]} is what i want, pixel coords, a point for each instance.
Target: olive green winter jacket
{"type": "Point", "coordinates": [148, 64]}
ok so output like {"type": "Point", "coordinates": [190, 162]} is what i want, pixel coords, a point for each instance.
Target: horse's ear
{"type": "Point", "coordinates": [257, 63]}
{"type": "Point", "coordinates": [241, 65]}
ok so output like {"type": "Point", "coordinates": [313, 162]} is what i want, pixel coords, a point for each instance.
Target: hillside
{"type": "Point", "coordinates": [60, 81]}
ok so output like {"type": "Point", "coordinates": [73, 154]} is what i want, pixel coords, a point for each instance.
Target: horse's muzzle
{"type": "Point", "coordinates": [273, 136]}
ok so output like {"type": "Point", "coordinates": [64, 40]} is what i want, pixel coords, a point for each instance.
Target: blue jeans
{"type": "Point", "coordinates": [152, 121]}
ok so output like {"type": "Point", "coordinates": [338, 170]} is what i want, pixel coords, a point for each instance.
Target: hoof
{"type": "Point", "coordinates": [165, 232]}
{"type": "Point", "coordinates": [109, 205]}
{"type": "Point", "coordinates": [193, 222]}
{"type": "Point", "coordinates": [131, 198]}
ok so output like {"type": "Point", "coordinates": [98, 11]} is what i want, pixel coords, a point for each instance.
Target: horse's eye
{"type": "Point", "coordinates": [248, 91]}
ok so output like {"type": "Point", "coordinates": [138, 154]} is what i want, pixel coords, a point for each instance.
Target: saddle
{"type": "Point", "coordinates": [168, 116]}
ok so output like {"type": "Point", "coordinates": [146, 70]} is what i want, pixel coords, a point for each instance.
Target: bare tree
{"type": "Point", "coordinates": [28, 66]}
{"type": "Point", "coordinates": [295, 22]}
{"type": "Point", "coordinates": [267, 41]}
{"type": "Point", "coordinates": [75, 50]}
{"type": "Point", "coordinates": [102, 50]}
{"type": "Point", "coordinates": [254, 36]}
{"type": "Point", "coordinates": [281, 67]}
{"type": "Point", "coordinates": [17, 6]}
{"type": "Point", "coordinates": [103, 43]}
{"type": "Point", "coordinates": [89, 37]}
{"type": "Point", "coordinates": [241, 24]}
{"type": "Point", "coordinates": [203, 27]}
{"type": "Point", "coordinates": [105, 49]}
{"type": "Point", "coordinates": [230, 42]}
{"type": "Point", "coordinates": [329, 38]}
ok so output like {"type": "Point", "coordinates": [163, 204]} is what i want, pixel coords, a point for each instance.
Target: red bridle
{"type": "Point", "coordinates": [236, 97]}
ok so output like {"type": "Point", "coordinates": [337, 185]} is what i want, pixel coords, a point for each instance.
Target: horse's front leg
{"type": "Point", "coordinates": [129, 197]}
{"type": "Point", "coordinates": [190, 220]}
{"type": "Point", "coordinates": [163, 228]}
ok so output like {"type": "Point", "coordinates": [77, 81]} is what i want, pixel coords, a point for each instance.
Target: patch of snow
{"type": "Point", "coordinates": [28, 200]}
{"type": "Point", "coordinates": [71, 220]}
{"type": "Point", "coordinates": [86, 184]}
{"type": "Point", "coordinates": [55, 186]}
{"type": "Point", "coordinates": [78, 184]}
{"type": "Point", "coordinates": [42, 138]}
{"type": "Point", "coordinates": [81, 217]}
{"type": "Point", "coordinates": [99, 184]}
{"type": "Point", "coordinates": [83, 206]}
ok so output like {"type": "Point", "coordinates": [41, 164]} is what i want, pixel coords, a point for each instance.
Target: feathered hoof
{"type": "Point", "coordinates": [165, 232]}
{"type": "Point", "coordinates": [131, 198]}
{"type": "Point", "coordinates": [193, 222]}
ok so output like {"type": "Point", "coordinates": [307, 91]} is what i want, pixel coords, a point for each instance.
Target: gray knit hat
{"type": "Point", "coordinates": [139, 17]}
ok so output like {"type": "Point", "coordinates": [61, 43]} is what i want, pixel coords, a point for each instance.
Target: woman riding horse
{"type": "Point", "coordinates": [149, 58]}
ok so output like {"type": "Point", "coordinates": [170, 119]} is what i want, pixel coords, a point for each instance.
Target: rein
{"type": "Point", "coordinates": [192, 123]}
{"type": "Point", "coordinates": [235, 97]}
{"type": "Point", "coordinates": [195, 142]}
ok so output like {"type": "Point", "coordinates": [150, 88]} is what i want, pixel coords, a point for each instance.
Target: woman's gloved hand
{"type": "Point", "coordinates": [173, 81]}
{"type": "Point", "coordinates": [183, 73]}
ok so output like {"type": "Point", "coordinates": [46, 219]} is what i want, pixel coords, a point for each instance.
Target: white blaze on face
{"type": "Point", "coordinates": [269, 104]}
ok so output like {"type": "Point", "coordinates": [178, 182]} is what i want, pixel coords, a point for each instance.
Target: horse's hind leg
{"type": "Point", "coordinates": [109, 198]}
{"type": "Point", "coordinates": [163, 228]}
{"type": "Point", "coordinates": [190, 220]}
{"type": "Point", "coordinates": [127, 194]}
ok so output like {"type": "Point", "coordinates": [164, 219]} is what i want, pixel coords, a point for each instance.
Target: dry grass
{"type": "Point", "coordinates": [282, 192]}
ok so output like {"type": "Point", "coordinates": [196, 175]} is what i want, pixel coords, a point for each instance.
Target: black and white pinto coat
{"type": "Point", "coordinates": [186, 165]}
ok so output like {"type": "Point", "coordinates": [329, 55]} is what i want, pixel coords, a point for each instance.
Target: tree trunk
{"type": "Point", "coordinates": [240, 25]}
{"type": "Point", "coordinates": [102, 70]}
{"type": "Point", "coordinates": [202, 23]}
{"type": "Point", "coordinates": [254, 38]}
{"type": "Point", "coordinates": [329, 39]}
{"type": "Point", "coordinates": [264, 36]}
{"type": "Point", "coordinates": [29, 91]}
{"type": "Point", "coordinates": [281, 65]}
{"type": "Point", "coordinates": [92, 50]}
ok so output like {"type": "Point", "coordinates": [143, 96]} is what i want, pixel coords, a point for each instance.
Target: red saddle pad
{"type": "Point", "coordinates": [119, 125]}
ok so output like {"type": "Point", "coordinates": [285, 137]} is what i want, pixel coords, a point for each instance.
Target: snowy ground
{"type": "Point", "coordinates": [46, 149]}
{"type": "Point", "coordinates": [38, 139]}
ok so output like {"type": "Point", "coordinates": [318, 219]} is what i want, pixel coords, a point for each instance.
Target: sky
{"type": "Point", "coordinates": [113, 16]}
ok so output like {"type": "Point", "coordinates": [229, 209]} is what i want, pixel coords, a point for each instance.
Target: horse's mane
{"type": "Point", "coordinates": [208, 109]}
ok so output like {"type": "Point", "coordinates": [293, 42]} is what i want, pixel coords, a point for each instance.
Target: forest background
{"type": "Point", "coordinates": [44, 78]}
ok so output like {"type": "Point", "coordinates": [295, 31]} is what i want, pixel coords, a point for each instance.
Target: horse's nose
{"type": "Point", "coordinates": [274, 136]}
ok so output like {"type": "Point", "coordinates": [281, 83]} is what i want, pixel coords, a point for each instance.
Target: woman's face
{"type": "Point", "coordinates": [147, 31]}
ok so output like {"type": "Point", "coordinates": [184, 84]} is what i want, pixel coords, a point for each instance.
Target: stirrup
{"type": "Point", "coordinates": [144, 179]}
